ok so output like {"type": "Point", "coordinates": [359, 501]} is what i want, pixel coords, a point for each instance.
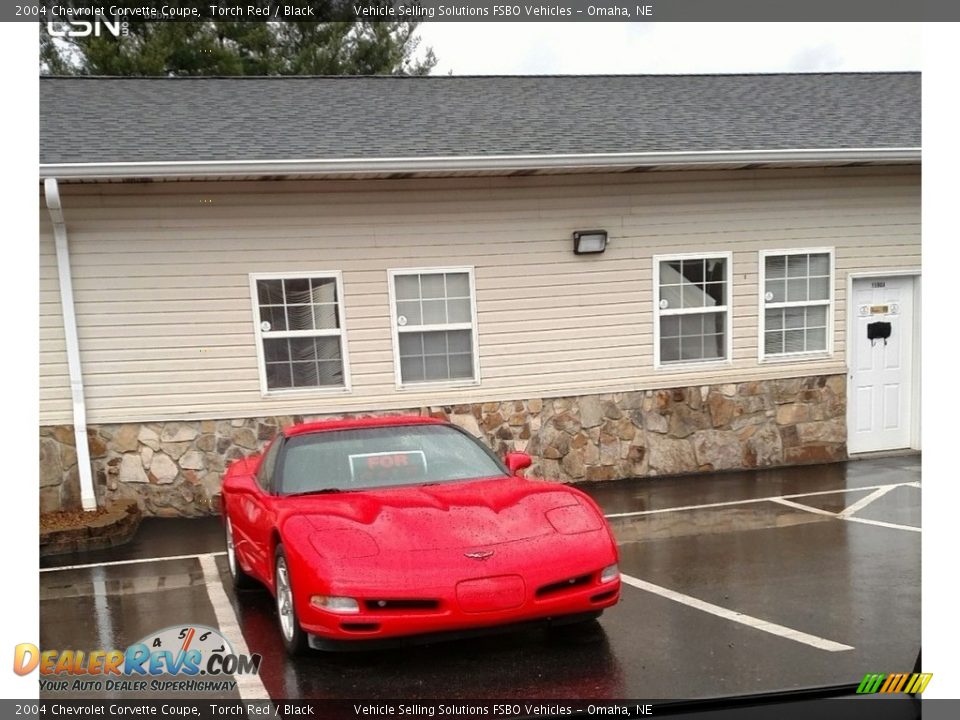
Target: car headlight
{"type": "Point", "coordinates": [335, 604]}
{"type": "Point", "coordinates": [610, 572]}
{"type": "Point", "coordinates": [573, 519]}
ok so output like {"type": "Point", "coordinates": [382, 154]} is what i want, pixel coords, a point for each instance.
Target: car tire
{"type": "Point", "coordinates": [240, 579]}
{"type": "Point", "coordinates": [293, 637]}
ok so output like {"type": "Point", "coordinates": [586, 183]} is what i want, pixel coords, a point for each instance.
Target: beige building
{"type": "Point", "coordinates": [230, 255]}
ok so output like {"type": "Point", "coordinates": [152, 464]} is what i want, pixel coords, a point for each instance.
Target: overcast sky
{"type": "Point", "coordinates": [471, 48]}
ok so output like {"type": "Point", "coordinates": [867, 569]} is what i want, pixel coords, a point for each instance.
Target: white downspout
{"type": "Point", "coordinates": [87, 495]}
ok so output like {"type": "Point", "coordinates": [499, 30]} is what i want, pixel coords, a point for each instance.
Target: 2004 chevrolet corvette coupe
{"type": "Point", "coordinates": [398, 528]}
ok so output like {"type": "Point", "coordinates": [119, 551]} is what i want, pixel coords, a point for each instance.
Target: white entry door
{"type": "Point", "coordinates": [881, 327]}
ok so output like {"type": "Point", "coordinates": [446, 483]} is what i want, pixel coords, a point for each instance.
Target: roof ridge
{"type": "Point", "coordinates": [480, 77]}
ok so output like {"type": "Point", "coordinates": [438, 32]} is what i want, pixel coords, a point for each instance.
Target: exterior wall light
{"type": "Point", "coordinates": [589, 241]}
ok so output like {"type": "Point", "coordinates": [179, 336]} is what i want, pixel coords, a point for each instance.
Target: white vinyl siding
{"type": "Point", "coordinates": [796, 296]}
{"type": "Point", "coordinates": [298, 322]}
{"type": "Point", "coordinates": [163, 302]}
{"type": "Point", "coordinates": [434, 325]}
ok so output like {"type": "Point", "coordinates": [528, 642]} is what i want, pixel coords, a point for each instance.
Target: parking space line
{"type": "Point", "coordinates": [863, 502]}
{"type": "Point", "coordinates": [798, 506]}
{"type": "Point", "coordinates": [880, 523]}
{"type": "Point", "coordinates": [737, 617]}
{"type": "Point", "coordinates": [135, 561]}
{"type": "Point", "coordinates": [747, 501]}
{"type": "Point", "coordinates": [250, 687]}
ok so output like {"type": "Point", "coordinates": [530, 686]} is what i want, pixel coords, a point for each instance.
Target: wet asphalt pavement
{"type": "Point", "coordinates": [847, 582]}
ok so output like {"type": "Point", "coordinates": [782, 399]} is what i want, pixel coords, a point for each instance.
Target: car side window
{"type": "Point", "coordinates": [265, 472]}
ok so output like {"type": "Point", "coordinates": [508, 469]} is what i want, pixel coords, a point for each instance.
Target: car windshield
{"type": "Point", "coordinates": [373, 457]}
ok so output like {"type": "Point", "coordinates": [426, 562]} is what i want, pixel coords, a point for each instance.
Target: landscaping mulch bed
{"type": "Point", "coordinates": [71, 519]}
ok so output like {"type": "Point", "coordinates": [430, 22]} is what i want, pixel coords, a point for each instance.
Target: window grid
{"type": "Point", "coordinates": [692, 310]}
{"type": "Point", "coordinates": [434, 327]}
{"type": "Point", "coordinates": [797, 302]}
{"type": "Point", "coordinates": [300, 334]}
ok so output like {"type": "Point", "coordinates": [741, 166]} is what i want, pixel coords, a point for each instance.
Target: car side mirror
{"type": "Point", "coordinates": [517, 461]}
{"type": "Point", "coordinates": [240, 482]}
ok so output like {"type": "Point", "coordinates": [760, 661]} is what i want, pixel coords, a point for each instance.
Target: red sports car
{"type": "Point", "coordinates": [380, 529]}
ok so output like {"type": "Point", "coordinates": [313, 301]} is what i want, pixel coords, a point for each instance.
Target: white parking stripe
{"type": "Point", "coordinates": [730, 503]}
{"type": "Point", "coordinates": [737, 617]}
{"type": "Point", "coordinates": [863, 502]}
{"type": "Point", "coordinates": [250, 687]}
{"type": "Point", "coordinates": [880, 523]}
{"type": "Point", "coordinates": [132, 562]}
{"type": "Point", "coordinates": [798, 506]}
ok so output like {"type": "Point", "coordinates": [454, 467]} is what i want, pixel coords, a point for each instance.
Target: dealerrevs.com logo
{"type": "Point", "coordinates": [200, 656]}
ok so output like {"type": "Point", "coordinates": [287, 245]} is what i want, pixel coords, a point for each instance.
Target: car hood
{"type": "Point", "coordinates": [454, 515]}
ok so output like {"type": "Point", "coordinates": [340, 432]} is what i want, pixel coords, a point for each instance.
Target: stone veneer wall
{"type": "Point", "coordinates": [175, 468]}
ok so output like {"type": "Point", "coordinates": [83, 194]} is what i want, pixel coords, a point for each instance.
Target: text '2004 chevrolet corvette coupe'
{"type": "Point", "coordinates": [383, 529]}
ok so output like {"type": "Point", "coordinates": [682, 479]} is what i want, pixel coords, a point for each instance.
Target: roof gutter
{"type": "Point", "coordinates": [51, 190]}
{"type": "Point", "coordinates": [478, 163]}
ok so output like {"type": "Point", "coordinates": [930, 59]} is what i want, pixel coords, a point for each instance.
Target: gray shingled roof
{"type": "Point", "coordinates": [282, 118]}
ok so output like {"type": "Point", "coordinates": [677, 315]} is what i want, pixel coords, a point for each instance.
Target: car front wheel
{"type": "Point", "coordinates": [293, 636]}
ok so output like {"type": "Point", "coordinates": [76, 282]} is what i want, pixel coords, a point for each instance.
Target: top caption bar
{"type": "Point", "coordinates": [90, 11]}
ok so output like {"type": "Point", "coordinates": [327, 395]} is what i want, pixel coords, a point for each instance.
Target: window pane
{"type": "Point", "coordinates": [328, 348]}
{"type": "Point", "coordinates": [300, 317]}
{"type": "Point", "coordinates": [458, 285]}
{"type": "Point", "coordinates": [797, 290]}
{"type": "Point", "coordinates": [460, 341]}
{"type": "Point", "coordinates": [323, 290]}
{"type": "Point", "coordinates": [325, 317]}
{"type": "Point", "coordinates": [304, 374]}
{"type": "Point", "coordinates": [820, 264]}
{"type": "Point", "coordinates": [691, 348]}
{"type": "Point", "coordinates": [276, 350]}
{"type": "Point", "coordinates": [275, 315]}
{"type": "Point", "coordinates": [409, 310]}
{"type": "Point", "coordinates": [816, 339]}
{"type": "Point", "coordinates": [434, 312]}
{"type": "Point", "coordinates": [458, 311]}
{"type": "Point", "coordinates": [774, 319]}
{"type": "Point", "coordinates": [716, 270]}
{"type": "Point", "coordinates": [692, 270]}
{"type": "Point", "coordinates": [461, 366]}
{"type": "Point", "coordinates": [270, 292]}
{"type": "Point", "coordinates": [778, 289]}
{"type": "Point", "coordinates": [716, 293]}
{"type": "Point", "coordinates": [303, 349]}
{"type": "Point", "coordinates": [435, 343]}
{"type": "Point", "coordinates": [296, 290]}
{"type": "Point", "coordinates": [431, 286]}
{"type": "Point", "coordinates": [408, 287]}
{"type": "Point", "coordinates": [776, 267]}
{"type": "Point", "coordinates": [669, 350]}
{"type": "Point", "coordinates": [435, 368]}
{"type": "Point", "coordinates": [817, 316]}
{"type": "Point", "coordinates": [773, 343]}
{"type": "Point", "coordinates": [794, 317]}
{"type": "Point", "coordinates": [820, 288]}
{"type": "Point", "coordinates": [796, 266]}
{"type": "Point", "coordinates": [330, 372]}
{"type": "Point", "coordinates": [411, 369]}
{"type": "Point", "coordinates": [278, 376]}
{"type": "Point", "coordinates": [793, 341]}
{"type": "Point", "coordinates": [670, 326]}
{"type": "Point", "coordinates": [691, 325]}
{"type": "Point", "coordinates": [411, 343]}
{"type": "Point", "coordinates": [713, 347]}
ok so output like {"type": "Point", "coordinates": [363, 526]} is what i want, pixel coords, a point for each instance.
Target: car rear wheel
{"type": "Point", "coordinates": [241, 580]}
{"type": "Point", "coordinates": [293, 636]}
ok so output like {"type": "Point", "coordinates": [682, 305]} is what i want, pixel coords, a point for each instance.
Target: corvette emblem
{"type": "Point", "coordinates": [479, 554]}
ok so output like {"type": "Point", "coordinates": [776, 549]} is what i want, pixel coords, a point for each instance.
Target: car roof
{"type": "Point", "coordinates": [361, 422]}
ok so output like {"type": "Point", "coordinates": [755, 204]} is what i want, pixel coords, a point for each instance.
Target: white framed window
{"type": "Point", "coordinates": [691, 306]}
{"type": "Point", "coordinates": [434, 324]}
{"type": "Point", "coordinates": [796, 303]}
{"type": "Point", "coordinates": [300, 331]}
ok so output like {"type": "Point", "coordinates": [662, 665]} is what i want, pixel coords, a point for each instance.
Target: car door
{"type": "Point", "coordinates": [254, 520]}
